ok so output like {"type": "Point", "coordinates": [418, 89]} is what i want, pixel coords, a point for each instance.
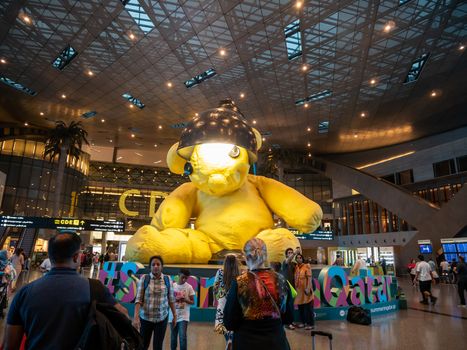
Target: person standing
{"type": "Point", "coordinates": [304, 298]}
{"type": "Point", "coordinates": [411, 268]}
{"type": "Point", "coordinates": [383, 266]}
{"type": "Point", "coordinates": [222, 282]}
{"type": "Point", "coordinates": [425, 277]}
{"type": "Point", "coordinates": [46, 265]}
{"type": "Point", "coordinates": [359, 265]}
{"type": "Point", "coordinates": [288, 271]}
{"type": "Point", "coordinates": [184, 296]}
{"type": "Point", "coordinates": [258, 304]}
{"type": "Point", "coordinates": [154, 298]}
{"type": "Point", "coordinates": [8, 275]}
{"type": "Point", "coordinates": [17, 260]}
{"type": "Point", "coordinates": [53, 310]}
{"type": "Point", "coordinates": [462, 280]}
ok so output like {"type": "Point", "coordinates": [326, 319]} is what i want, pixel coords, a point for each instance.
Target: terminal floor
{"type": "Point", "coordinates": [443, 326]}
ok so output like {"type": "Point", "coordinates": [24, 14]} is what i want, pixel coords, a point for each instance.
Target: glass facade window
{"type": "Point", "coordinates": [461, 163]}
{"type": "Point", "coordinates": [366, 207]}
{"type": "Point", "coordinates": [444, 168]}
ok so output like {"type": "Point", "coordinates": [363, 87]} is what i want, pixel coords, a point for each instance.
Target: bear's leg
{"type": "Point", "coordinates": [172, 244]}
{"type": "Point", "coordinates": [277, 241]}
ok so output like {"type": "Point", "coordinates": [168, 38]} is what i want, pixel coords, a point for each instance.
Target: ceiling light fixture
{"type": "Point", "coordinates": [389, 26]}
{"type": "Point", "coordinates": [169, 84]}
{"type": "Point", "coordinates": [304, 68]}
{"type": "Point", "coordinates": [462, 47]}
{"type": "Point", "coordinates": [102, 120]}
{"type": "Point", "coordinates": [196, 114]}
{"type": "Point", "coordinates": [305, 105]}
{"type": "Point", "coordinates": [309, 155]}
{"type": "Point", "coordinates": [385, 160]}
{"type": "Point", "coordinates": [155, 145]}
{"type": "Point", "coordinates": [309, 144]}
{"type": "Point", "coordinates": [27, 19]}
{"type": "Point", "coordinates": [26, 124]}
{"type": "Point", "coordinates": [355, 135]}
{"type": "Point", "coordinates": [63, 96]}
{"type": "Point", "coordinates": [308, 129]}
{"type": "Point", "coordinates": [111, 142]}
{"type": "Point", "coordinates": [433, 94]}
{"type": "Point", "coordinates": [363, 115]}
{"type": "Point", "coordinates": [132, 36]}
{"type": "Point", "coordinates": [3, 60]}
{"type": "Point", "coordinates": [254, 121]}
{"type": "Point", "coordinates": [90, 73]}
{"type": "Point", "coordinates": [133, 135]}
{"type": "Point", "coordinates": [222, 52]}
{"type": "Point", "coordinates": [264, 139]}
{"type": "Point", "coordinates": [160, 127]}
{"type": "Point", "coordinates": [41, 113]}
{"type": "Point", "coordinates": [242, 95]}
{"type": "Point", "coordinates": [373, 81]}
{"type": "Point", "coordinates": [132, 106]}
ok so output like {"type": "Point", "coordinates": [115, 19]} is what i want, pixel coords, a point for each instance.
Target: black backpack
{"type": "Point", "coordinates": [107, 328]}
{"type": "Point", "coordinates": [359, 315]}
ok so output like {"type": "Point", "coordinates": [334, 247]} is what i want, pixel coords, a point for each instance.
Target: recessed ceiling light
{"type": "Point", "coordinates": [132, 106]}
{"type": "Point", "coordinates": [169, 84]}
{"type": "Point", "coordinates": [309, 155]}
{"type": "Point", "coordinates": [222, 52]}
{"type": "Point", "coordinates": [308, 129]}
{"type": "Point", "coordinates": [363, 115]}
{"type": "Point", "coordinates": [133, 135]}
{"type": "Point", "coordinates": [41, 113]}
{"type": "Point", "coordinates": [102, 120]}
{"type": "Point", "coordinates": [433, 94]}
{"type": "Point", "coordinates": [309, 144]}
{"type": "Point", "coordinates": [355, 135]}
{"type": "Point", "coordinates": [373, 81]}
{"type": "Point", "coordinates": [306, 105]}
{"type": "Point", "coordinates": [3, 60]}
{"type": "Point", "coordinates": [26, 19]}
{"type": "Point", "coordinates": [298, 4]}
{"type": "Point", "coordinates": [132, 36]}
{"type": "Point", "coordinates": [264, 139]}
{"type": "Point", "coordinates": [111, 142]}
{"type": "Point", "coordinates": [462, 47]}
{"type": "Point", "coordinates": [304, 68]}
{"type": "Point", "coordinates": [155, 145]}
{"type": "Point", "coordinates": [26, 124]}
{"type": "Point", "coordinates": [389, 26]}
{"type": "Point", "coordinates": [196, 114]}
{"type": "Point", "coordinates": [254, 121]}
{"type": "Point", "coordinates": [159, 127]}
{"type": "Point", "coordinates": [63, 96]}
{"type": "Point", "coordinates": [90, 73]}
{"type": "Point", "coordinates": [242, 95]}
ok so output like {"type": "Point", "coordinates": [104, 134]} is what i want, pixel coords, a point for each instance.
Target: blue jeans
{"type": "Point", "coordinates": [180, 330]}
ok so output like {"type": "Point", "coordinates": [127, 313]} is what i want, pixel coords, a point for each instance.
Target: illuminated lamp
{"type": "Point", "coordinates": [222, 125]}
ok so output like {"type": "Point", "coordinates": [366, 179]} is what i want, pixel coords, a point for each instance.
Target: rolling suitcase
{"type": "Point", "coordinates": [321, 333]}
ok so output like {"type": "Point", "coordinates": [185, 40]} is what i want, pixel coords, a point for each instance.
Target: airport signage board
{"type": "Point", "coordinates": [62, 223]}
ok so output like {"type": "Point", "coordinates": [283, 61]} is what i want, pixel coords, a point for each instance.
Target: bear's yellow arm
{"type": "Point", "coordinates": [296, 209]}
{"type": "Point", "coordinates": [176, 209]}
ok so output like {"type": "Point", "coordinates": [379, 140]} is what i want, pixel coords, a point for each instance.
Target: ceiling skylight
{"type": "Point", "coordinates": [416, 68]}
{"type": "Point", "coordinates": [315, 97]}
{"type": "Point", "coordinates": [181, 125]}
{"type": "Point", "coordinates": [200, 78]}
{"type": "Point", "coordinates": [323, 127]}
{"type": "Point", "coordinates": [133, 100]}
{"type": "Point", "coordinates": [402, 2]}
{"type": "Point", "coordinates": [137, 12]}
{"type": "Point", "coordinates": [65, 57]}
{"type": "Point", "coordinates": [293, 40]}
{"type": "Point", "coordinates": [89, 114]}
{"type": "Point", "coordinates": [17, 86]}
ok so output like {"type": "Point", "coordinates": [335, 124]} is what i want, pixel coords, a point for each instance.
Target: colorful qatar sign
{"type": "Point", "coordinates": [334, 290]}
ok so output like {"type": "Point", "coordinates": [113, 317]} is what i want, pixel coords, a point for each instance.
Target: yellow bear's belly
{"type": "Point", "coordinates": [233, 219]}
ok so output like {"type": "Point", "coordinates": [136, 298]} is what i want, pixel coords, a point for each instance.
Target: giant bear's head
{"type": "Point", "coordinates": [216, 150]}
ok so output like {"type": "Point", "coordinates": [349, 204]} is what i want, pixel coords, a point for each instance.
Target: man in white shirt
{"type": "Point", "coordinates": [425, 277]}
{"type": "Point", "coordinates": [359, 265]}
{"type": "Point", "coordinates": [184, 297]}
{"type": "Point", "coordinates": [45, 266]}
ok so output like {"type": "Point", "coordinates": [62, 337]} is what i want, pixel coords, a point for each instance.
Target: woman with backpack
{"type": "Point", "coordinates": [222, 282]}
{"type": "Point", "coordinates": [258, 304]}
{"type": "Point", "coordinates": [154, 298]}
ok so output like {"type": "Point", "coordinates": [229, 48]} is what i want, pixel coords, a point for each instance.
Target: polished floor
{"type": "Point", "coordinates": [443, 326]}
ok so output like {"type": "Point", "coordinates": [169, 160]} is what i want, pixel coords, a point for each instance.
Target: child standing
{"type": "Point", "coordinates": [184, 296]}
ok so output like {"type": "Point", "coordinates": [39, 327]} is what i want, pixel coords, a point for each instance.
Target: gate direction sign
{"type": "Point", "coordinates": [318, 235]}
{"type": "Point", "coordinates": [62, 223]}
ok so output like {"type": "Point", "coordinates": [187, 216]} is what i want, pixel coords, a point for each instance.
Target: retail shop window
{"type": "Point", "coordinates": [461, 163]}
{"type": "Point", "coordinates": [444, 168]}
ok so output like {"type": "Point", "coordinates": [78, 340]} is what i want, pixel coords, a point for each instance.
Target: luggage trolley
{"type": "Point", "coordinates": [323, 334]}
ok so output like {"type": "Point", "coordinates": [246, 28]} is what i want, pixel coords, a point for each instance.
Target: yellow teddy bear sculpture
{"type": "Point", "coordinates": [228, 205]}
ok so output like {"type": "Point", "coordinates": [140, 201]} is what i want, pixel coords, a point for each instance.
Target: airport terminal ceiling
{"type": "Point", "coordinates": [322, 76]}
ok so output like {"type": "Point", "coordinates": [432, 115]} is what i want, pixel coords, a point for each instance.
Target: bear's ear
{"type": "Point", "coordinates": [174, 161]}
{"type": "Point", "coordinates": [259, 139]}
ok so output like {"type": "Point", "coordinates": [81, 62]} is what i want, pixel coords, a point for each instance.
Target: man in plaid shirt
{"type": "Point", "coordinates": [152, 304]}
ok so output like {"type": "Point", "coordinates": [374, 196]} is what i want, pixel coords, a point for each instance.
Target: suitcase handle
{"type": "Point", "coordinates": [324, 334]}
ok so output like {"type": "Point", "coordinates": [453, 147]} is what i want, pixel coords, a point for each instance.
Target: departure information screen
{"type": "Point", "coordinates": [62, 223]}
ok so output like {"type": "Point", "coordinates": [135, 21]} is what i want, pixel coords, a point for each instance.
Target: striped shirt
{"type": "Point", "coordinates": [155, 304]}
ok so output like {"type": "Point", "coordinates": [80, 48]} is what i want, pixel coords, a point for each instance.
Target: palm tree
{"type": "Point", "coordinates": [64, 140]}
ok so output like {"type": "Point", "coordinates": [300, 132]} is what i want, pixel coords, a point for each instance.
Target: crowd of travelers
{"type": "Point", "coordinates": [254, 304]}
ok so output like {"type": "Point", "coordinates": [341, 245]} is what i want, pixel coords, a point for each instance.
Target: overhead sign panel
{"type": "Point", "coordinates": [318, 235]}
{"type": "Point", "coordinates": [62, 224]}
